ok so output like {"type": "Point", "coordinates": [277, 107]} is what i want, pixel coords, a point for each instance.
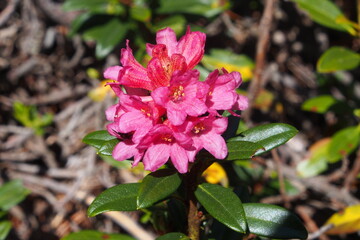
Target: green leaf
{"type": "Point", "coordinates": [157, 186]}
{"type": "Point", "coordinates": [176, 22]}
{"type": "Point", "coordinates": [107, 34]}
{"type": "Point", "coordinates": [97, 138]}
{"type": "Point", "coordinates": [107, 148]}
{"type": "Point", "coordinates": [206, 8]}
{"type": "Point", "coordinates": [173, 236]}
{"type": "Point", "coordinates": [241, 150]}
{"type": "Point", "coordinates": [12, 193]}
{"type": "Point", "coordinates": [140, 13]}
{"type": "Point", "coordinates": [95, 235]}
{"type": "Point", "coordinates": [273, 221]}
{"type": "Point", "coordinates": [269, 136]}
{"type": "Point", "coordinates": [343, 143]}
{"type": "Point", "coordinates": [5, 227]}
{"type": "Point", "coordinates": [220, 58]}
{"type": "Point", "coordinates": [319, 104]}
{"type": "Point", "coordinates": [336, 59]}
{"type": "Point", "coordinates": [326, 13]}
{"type": "Point", "coordinates": [223, 205]}
{"type": "Point", "coordinates": [118, 164]}
{"type": "Point", "coordinates": [118, 198]}
{"type": "Point", "coordinates": [94, 6]}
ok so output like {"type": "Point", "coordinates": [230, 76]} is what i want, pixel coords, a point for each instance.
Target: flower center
{"type": "Point", "coordinates": [145, 112]}
{"type": "Point", "coordinates": [198, 128]}
{"type": "Point", "coordinates": [178, 94]}
{"type": "Point", "coordinates": [167, 138]}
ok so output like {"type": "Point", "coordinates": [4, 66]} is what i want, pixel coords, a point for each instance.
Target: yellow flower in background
{"type": "Point", "coordinates": [345, 221]}
{"type": "Point", "coordinates": [99, 93]}
{"type": "Point", "coordinates": [216, 174]}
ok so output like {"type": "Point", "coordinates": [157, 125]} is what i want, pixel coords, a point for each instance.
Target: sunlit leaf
{"type": "Point", "coordinates": [338, 58]}
{"type": "Point", "coordinates": [317, 160]}
{"type": "Point", "coordinates": [176, 22]}
{"type": "Point", "coordinates": [95, 235]}
{"type": "Point", "coordinates": [241, 150]}
{"type": "Point", "coordinates": [94, 6]}
{"type": "Point", "coordinates": [173, 236]}
{"type": "Point", "coordinates": [345, 221]}
{"type": "Point", "coordinates": [12, 193]}
{"type": "Point", "coordinates": [343, 143]}
{"type": "Point", "coordinates": [319, 104]}
{"type": "Point", "coordinates": [98, 138]}
{"type": "Point", "coordinates": [223, 205]}
{"type": "Point", "coordinates": [5, 227]}
{"type": "Point", "coordinates": [220, 58]}
{"type": "Point", "coordinates": [326, 13]}
{"type": "Point", "coordinates": [264, 100]}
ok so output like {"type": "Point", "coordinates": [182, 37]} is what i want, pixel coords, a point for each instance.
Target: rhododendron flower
{"type": "Point", "coordinates": [184, 96]}
{"type": "Point", "coordinates": [168, 56]}
{"type": "Point", "coordinates": [222, 93]}
{"type": "Point", "coordinates": [206, 133]}
{"type": "Point", "coordinates": [163, 143]}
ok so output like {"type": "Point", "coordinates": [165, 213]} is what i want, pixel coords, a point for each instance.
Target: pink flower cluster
{"type": "Point", "coordinates": [164, 111]}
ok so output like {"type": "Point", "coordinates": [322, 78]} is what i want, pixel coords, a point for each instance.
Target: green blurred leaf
{"type": "Point", "coordinates": [206, 8]}
{"type": "Point", "coordinates": [223, 205]}
{"type": "Point", "coordinates": [273, 221]}
{"type": "Point", "coordinates": [336, 59]}
{"type": "Point", "coordinates": [118, 198]}
{"type": "Point", "coordinates": [12, 193]}
{"type": "Point", "coordinates": [5, 227]}
{"type": "Point", "coordinates": [343, 143]}
{"type": "Point", "coordinates": [269, 136]}
{"type": "Point", "coordinates": [176, 22]}
{"type": "Point", "coordinates": [317, 160]}
{"type": "Point", "coordinates": [220, 58]}
{"type": "Point", "coordinates": [173, 236]}
{"type": "Point", "coordinates": [326, 13]}
{"type": "Point", "coordinates": [319, 104]}
{"type": "Point", "coordinates": [118, 164]}
{"type": "Point", "coordinates": [97, 138]}
{"type": "Point", "coordinates": [140, 13]}
{"type": "Point", "coordinates": [95, 235]}
{"type": "Point", "coordinates": [107, 34]}
{"type": "Point", "coordinates": [157, 186]}
{"type": "Point", "coordinates": [95, 6]}
{"type": "Point", "coordinates": [241, 150]}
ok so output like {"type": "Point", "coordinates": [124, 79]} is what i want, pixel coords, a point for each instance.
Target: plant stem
{"type": "Point", "coordinates": [192, 180]}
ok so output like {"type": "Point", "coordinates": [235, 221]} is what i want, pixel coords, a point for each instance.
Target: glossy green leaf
{"type": "Point", "coordinates": [176, 22]}
{"type": "Point", "coordinates": [343, 143]}
{"type": "Point", "coordinates": [273, 221]}
{"type": "Point", "coordinates": [95, 235]}
{"type": "Point", "coordinates": [220, 58]}
{"type": "Point", "coordinates": [5, 227]}
{"type": "Point", "coordinates": [269, 136]}
{"type": "Point", "coordinates": [107, 148]}
{"type": "Point", "coordinates": [173, 236]}
{"type": "Point", "coordinates": [241, 150]}
{"type": "Point", "coordinates": [338, 58]}
{"type": "Point", "coordinates": [157, 186]}
{"type": "Point", "coordinates": [326, 13]}
{"type": "Point", "coordinates": [319, 104]}
{"type": "Point", "coordinates": [223, 205]}
{"type": "Point", "coordinates": [206, 8]}
{"type": "Point", "coordinates": [97, 138]}
{"type": "Point", "coordinates": [107, 34]}
{"type": "Point", "coordinates": [12, 193]}
{"type": "Point", "coordinates": [118, 198]}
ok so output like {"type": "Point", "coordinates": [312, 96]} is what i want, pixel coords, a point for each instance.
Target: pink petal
{"type": "Point", "coordinates": [112, 72]}
{"type": "Point", "coordinates": [161, 95]}
{"type": "Point", "coordinates": [175, 116]}
{"type": "Point", "coordinates": [124, 150]}
{"type": "Point", "coordinates": [111, 112]}
{"type": "Point", "coordinates": [195, 108]}
{"type": "Point", "coordinates": [242, 103]}
{"type": "Point", "coordinates": [156, 156]}
{"type": "Point", "coordinates": [215, 144]}
{"type": "Point", "coordinates": [167, 37]}
{"type": "Point", "coordinates": [219, 125]}
{"type": "Point", "coordinates": [191, 46]}
{"type": "Point", "coordinates": [159, 76]}
{"type": "Point", "coordinates": [179, 158]}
